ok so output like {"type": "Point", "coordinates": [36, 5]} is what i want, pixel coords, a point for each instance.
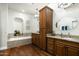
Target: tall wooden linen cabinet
{"type": "Point", "coordinates": [45, 24]}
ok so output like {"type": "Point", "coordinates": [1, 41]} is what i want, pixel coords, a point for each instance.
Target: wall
{"type": "Point", "coordinates": [3, 25]}
{"type": "Point", "coordinates": [0, 29]}
{"type": "Point", "coordinates": [65, 16]}
{"type": "Point", "coordinates": [34, 25]}
{"type": "Point", "coordinates": [13, 25]}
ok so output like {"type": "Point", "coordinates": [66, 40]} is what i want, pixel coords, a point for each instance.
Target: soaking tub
{"type": "Point", "coordinates": [20, 38]}
{"type": "Point", "coordinates": [16, 41]}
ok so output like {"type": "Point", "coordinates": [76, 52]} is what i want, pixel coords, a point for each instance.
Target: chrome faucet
{"type": "Point", "coordinates": [61, 34]}
{"type": "Point", "coordinates": [69, 34]}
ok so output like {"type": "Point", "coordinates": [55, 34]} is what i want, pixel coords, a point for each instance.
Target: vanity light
{"type": "Point", "coordinates": [64, 5]}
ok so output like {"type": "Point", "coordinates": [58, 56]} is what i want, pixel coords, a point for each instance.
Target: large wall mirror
{"type": "Point", "coordinates": [67, 24]}
{"type": "Point", "coordinates": [18, 24]}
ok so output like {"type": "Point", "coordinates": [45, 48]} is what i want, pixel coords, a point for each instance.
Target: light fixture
{"type": "Point", "coordinates": [64, 5]}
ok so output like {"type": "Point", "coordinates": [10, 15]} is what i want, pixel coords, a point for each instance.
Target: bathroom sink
{"type": "Point", "coordinates": [67, 38]}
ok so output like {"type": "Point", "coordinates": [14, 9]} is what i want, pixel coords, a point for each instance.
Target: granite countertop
{"type": "Point", "coordinates": [36, 33]}
{"type": "Point", "coordinates": [64, 38]}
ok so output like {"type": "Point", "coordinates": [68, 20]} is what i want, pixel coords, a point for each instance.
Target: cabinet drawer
{"type": "Point", "coordinates": [51, 48]}
{"type": "Point", "coordinates": [50, 39]}
{"type": "Point", "coordinates": [50, 45]}
{"type": "Point", "coordinates": [50, 51]}
{"type": "Point", "coordinates": [59, 43]}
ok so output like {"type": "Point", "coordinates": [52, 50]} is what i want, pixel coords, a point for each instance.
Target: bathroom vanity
{"type": "Point", "coordinates": [58, 45]}
{"type": "Point", "coordinates": [62, 46]}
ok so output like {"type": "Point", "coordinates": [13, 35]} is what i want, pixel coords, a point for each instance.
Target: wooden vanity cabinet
{"type": "Point", "coordinates": [63, 47]}
{"type": "Point", "coordinates": [35, 39]}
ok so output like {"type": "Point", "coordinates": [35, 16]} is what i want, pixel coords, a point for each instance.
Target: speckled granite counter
{"type": "Point", "coordinates": [36, 33]}
{"type": "Point", "coordinates": [64, 38]}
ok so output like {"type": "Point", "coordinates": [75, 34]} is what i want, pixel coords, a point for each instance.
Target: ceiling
{"type": "Point", "coordinates": [26, 7]}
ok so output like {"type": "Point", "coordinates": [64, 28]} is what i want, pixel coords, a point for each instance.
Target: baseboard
{"type": "Point", "coordinates": [3, 48]}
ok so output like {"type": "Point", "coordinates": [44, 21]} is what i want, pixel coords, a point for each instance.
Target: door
{"type": "Point", "coordinates": [60, 51]}
{"type": "Point", "coordinates": [42, 18]}
{"type": "Point", "coordinates": [59, 48]}
{"type": "Point", "coordinates": [37, 40]}
{"type": "Point", "coordinates": [49, 15]}
{"type": "Point", "coordinates": [33, 39]}
{"type": "Point", "coordinates": [43, 39]}
{"type": "Point", "coordinates": [72, 51]}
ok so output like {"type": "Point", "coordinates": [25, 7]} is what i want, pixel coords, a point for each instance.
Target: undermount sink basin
{"type": "Point", "coordinates": [64, 37]}
{"type": "Point", "coordinates": [67, 38]}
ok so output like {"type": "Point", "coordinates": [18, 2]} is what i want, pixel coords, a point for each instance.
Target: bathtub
{"type": "Point", "coordinates": [18, 41]}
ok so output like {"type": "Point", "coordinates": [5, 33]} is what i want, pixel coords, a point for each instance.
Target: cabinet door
{"type": "Point", "coordinates": [49, 15]}
{"type": "Point", "coordinates": [40, 19]}
{"type": "Point", "coordinates": [43, 18]}
{"type": "Point", "coordinates": [43, 42]}
{"type": "Point", "coordinates": [37, 40]}
{"type": "Point", "coordinates": [43, 39]}
{"type": "Point", "coordinates": [33, 39]}
{"type": "Point", "coordinates": [72, 51]}
{"type": "Point", "coordinates": [59, 48]}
